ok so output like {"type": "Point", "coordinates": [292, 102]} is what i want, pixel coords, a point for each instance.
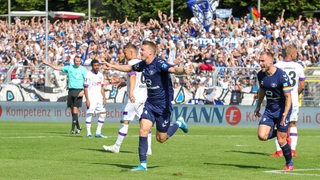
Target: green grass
{"type": "Point", "coordinates": [45, 150]}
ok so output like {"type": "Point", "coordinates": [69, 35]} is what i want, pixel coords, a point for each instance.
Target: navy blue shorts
{"type": "Point", "coordinates": [272, 120]}
{"type": "Point", "coordinates": [156, 114]}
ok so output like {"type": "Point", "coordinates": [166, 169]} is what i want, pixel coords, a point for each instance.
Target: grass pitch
{"type": "Point", "coordinates": [46, 150]}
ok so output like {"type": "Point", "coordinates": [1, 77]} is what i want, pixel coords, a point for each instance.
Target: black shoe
{"type": "Point", "coordinates": [72, 132]}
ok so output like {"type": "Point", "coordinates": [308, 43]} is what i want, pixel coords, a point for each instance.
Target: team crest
{"type": "Point", "coordinates": [164, 66]}
{"type": "Point", "coordinates": [151, 72]}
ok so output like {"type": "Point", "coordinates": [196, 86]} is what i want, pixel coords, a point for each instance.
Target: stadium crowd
{"type": "Point", "coordinates": [230, 45]}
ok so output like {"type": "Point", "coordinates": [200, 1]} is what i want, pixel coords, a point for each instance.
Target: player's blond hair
{"type": "Point", "coordinates": [290, 50]}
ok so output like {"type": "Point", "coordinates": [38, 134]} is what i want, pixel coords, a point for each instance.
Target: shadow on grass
{"type": "Point", "coordinates": [104, 151]}
{"type": "Point", "coordinates": [124, 166]}
{"type": "Point", "coordinates": [238, 165]}
{"type": "Point", "coordinates": [250, 152]}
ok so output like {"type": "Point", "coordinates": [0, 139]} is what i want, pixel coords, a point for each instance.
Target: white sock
{"type": "Point", "coordinates": [122, 134]}
{"type": "Point", "coordinates": [179, 123]}
{"type": "Point", "coordinates": [277, 144]}
{"type": "Point", "coordinates": [143, 165]}
{"type": "Point", "coordinates": [149, 140]}
{"type": "Point", "coordinates": [100, 124]}
{"type": "Point", "coordinates": [88, 123]}
{"type": "Point", "coordinates": [294, 137]}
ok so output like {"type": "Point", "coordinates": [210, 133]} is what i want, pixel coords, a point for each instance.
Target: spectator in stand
{"type": "Point", "coordinates": [224, 83]}
{"type": "Point", "coordinates": [197, 58]}
{"type": "Point", "coordinates": [236, 93]}
{"type": "Point", "coordinates": [208, 60]}
{"type": "Point", "coordinates": [210, 96]}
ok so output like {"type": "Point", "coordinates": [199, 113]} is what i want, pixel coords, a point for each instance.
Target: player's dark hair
{"type": "Point", "coordinates": [94, 61]}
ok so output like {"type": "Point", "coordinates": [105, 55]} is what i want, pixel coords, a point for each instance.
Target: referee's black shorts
{"type": "Point", "coordinates": [74, 100]}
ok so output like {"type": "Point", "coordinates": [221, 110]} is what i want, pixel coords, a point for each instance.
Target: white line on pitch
{"type": "Point", "coordinates": [294, 172]}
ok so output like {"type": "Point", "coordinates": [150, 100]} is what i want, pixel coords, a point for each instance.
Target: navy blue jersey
{"type": "Point", "coordinates": [274, 87]}
{"type": "Point", "coordinates": [158, 81]}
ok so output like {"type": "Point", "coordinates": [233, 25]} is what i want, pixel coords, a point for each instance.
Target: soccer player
{"type": "Point", "coordinates": [76, 75]}
{"type": "Point", "coordinates": [95, 98]}
{"type": "Point", "coordinates": [296, 75]}
{"type": "Point", "coordinates": [157, 108]}
{"type": "Point", "coordinates": [134, 100]}
{"type": "Point", "coordinates": [275, 86]}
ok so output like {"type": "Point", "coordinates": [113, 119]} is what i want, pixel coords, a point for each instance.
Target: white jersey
{"type": "Point", "coordinates": [296, 73]}
{"type": "Point", "coordinates": [131, 110]}
{"type": "Point", "coordinates": [140, 89]}
{"type": "Point", "coordinates": [94, 82]}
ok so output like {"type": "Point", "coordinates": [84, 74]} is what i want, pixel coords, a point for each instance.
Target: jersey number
{"type": "Point", "coordinates": [292, 76]}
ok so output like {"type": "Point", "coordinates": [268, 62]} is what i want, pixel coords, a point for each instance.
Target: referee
{"type": "Point", "coordinates": [76, 75]}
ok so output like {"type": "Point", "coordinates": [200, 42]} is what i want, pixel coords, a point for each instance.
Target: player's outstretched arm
{"type": "Point", "coordinates": [51, 65]}
{"type": "Point", "coordinates": [123, 68]}
{"type": "Point", "coordinates": [180, 70]}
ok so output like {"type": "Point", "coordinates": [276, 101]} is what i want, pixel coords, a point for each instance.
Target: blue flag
{"type": "Point", "coordinates": [223, 13]}
{"type": "Point", "coordinates": [85, 54]}
{"type": "Point", "coordinates": [204, 11]}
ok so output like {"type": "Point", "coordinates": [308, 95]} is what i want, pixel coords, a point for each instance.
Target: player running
{"type": "Point", "coordinates": [157, 108]}
{"type": "Point", "coordinates": [275, 86]}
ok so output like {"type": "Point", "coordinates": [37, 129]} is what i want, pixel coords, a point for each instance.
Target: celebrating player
{"type": "Point", "coordinates": [158, 107]}
{"type": "Point", "coordinates": [275, 86]}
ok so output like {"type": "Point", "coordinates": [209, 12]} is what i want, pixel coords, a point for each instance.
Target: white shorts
{"type": "Point", "coordinates": [294, 114]}
{"type": "Point", "coordinates": [132, 110]}
{"type": "Point", "coordinates": [96, 107]}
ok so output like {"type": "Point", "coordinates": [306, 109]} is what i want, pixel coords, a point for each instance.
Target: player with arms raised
{"type": "Point", "coordinates": [158, 107]}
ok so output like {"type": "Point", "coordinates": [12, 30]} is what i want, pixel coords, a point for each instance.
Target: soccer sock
{"type": "Point", "coordinates": [172, 129]}
{"type": "Point", "coordinates": [272, 134]}
{"type": "Point", "coordinates": [143, 147]}
{"type": "Point", "coordinates": [100, 124]}
{"type": "Point", "coordinates": [122, 133]}
{"type": "Point", "coordinates": [286, 149]}
{"type": "Point", "coordinates": [75, 120]}
{"type": "Point", "coordinates": [277, 144]}
{"type": "Point", "coordinates": [149, 140]}
{"type": "Point", "coordinates": [88, 123]}
{"type": "Point", "coordinates": [294, 137]}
